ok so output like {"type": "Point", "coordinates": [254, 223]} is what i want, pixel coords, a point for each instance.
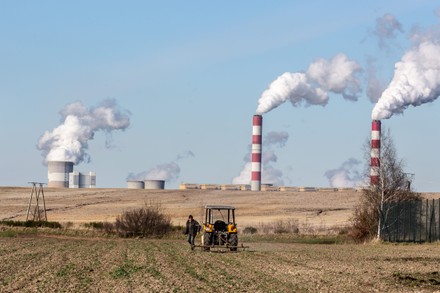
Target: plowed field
{"type": "Point", "coordinates": [38, 263]}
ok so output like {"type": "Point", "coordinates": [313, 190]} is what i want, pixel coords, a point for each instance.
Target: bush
{"type": "Point", "coordinates": [94, 225]}
{"type": "Point", "coordinates": [31, 224]}
{"type": "Point", "coordinates": [144, 222]}
{"type": "Point", "coordinates": [250, 230]}
{"type": "Point", "coordinates": [289, 226]}
{"type": "Point", "coordinates": [106, 227]}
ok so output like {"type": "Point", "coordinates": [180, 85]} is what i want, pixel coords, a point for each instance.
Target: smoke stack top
{"type": "Point", "coordinates": [69, 140]}
{"type": "Point", "coordinates": [337, 75]}
{"type": "Point", "coordinates": [416, 81]}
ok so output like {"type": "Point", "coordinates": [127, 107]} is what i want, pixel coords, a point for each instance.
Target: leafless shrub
{"type": "Point", "coordinates": [250, 230]}
{"type": "Point", "coordinates": [279, 227]}
{"type": "Point", "coordinates": [148, 221]}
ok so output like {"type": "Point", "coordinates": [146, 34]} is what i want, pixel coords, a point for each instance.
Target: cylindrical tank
{"type": "Point", "coordinates": [58, 173]}
{"type": "Point", "coordinates": [87, 180]}
{"type": "Point", "coordinates": [133, 184]}
{"type": "Point", "coordinates": [154, 184]}
{"type": "Point", "coordinates": [375, 153]}
{"type": "Point", "coordinates": [257, 130]}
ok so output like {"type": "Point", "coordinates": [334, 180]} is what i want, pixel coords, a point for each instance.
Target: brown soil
{"type": "Point", "coordinates": [60, 263]}
{"type": "Point", "coordinates": [63, 264]}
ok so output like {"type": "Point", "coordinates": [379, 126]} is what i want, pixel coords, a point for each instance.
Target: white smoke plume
{"type": "Point", "coordinates": [387, 27]}
{"type": "Point", "coordinates": [269, 173]}
{"type": "Point", "coordinates": [416, 81]}
{"type": "Point", "coordinates": [347, 175]}
{"type": "Point", "coordinates": [375, 86]}
{"type": "Point", "coordinates": [168, 171]}
{"type": "Point", "coordinates": [337, 75]}
{"type": "Point", "coordinates": [69, 140]}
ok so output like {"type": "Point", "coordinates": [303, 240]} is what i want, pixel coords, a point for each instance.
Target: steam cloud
{"type": "Point", "coordinates": [69, 141]}
{"type": "Point", "coordinates": [375, 86]}
{"type": "Point", "coordinates": [337, 75]}
{"type": "Point", "coordinates": [387, 28]}
{"type": "Point", "coordinates": [168, 171]}
{"type": "Point", "coordinates": [269, 173]}
{"type": "Point", "coordinates": [347, 175]}
{"type": "Point", "coordinates": [416, 81]}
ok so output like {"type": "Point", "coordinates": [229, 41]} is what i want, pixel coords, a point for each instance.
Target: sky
{"type": "Point", "coordinates": [181, 81]}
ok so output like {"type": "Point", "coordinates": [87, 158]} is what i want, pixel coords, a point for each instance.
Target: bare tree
{"type": "Point", "coordinates": [376, 201]}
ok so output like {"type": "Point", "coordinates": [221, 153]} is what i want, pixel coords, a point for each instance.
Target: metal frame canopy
{"type": "Point", "coordinates": [219, 207]}
{"type": "Point", "coordinates": [209, 213]}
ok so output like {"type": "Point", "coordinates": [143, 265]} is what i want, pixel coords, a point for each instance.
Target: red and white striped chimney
{"type": "Point", "coordinates": [257, 130]}
{"type": "Point", "coordinates": [375, 152]}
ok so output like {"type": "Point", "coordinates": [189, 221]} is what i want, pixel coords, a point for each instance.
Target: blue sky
{"type": "Point", "coordinates": [190, 74]}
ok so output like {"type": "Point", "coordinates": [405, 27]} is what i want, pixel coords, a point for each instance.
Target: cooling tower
{"type": "Point", "coordinates": [58, 173]}
{"type": "Point", "coordinates": [375, 153]}
{"type": "Point", "coordinates": [257, 130]}
{"type": "Point", "coordinates": [154, 184]}
{"type": "Point", "coordinates": [132, 184]}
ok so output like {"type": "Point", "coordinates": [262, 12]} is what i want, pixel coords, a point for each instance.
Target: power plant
{"type": "Point", "coordinates": [154, 184]}
{"type": "Point", "coordinates": [60, 174]}
{"type": "Point", "coordinates": [146, 184]}
{"type": "Point", "coordinates": [81, 180]}
{"type": "Point", "coordinates": [375, 153]}
{"type": "Point", "coordinates": [257, 130]}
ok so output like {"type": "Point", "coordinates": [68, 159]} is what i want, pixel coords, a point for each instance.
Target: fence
{"type": "Point", "coordinates": [411, 221]}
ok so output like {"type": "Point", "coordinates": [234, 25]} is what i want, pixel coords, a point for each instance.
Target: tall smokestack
{"type": "Point", "coordinates": [375, 152]}
{"type": "Point", "coordinates": [257, 130]}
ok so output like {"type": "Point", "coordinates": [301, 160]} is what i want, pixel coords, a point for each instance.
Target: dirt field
{"type": "Point", "coordinates": [38, 263]}
{"type": "Point", "coordinates": [86, 205]}
{"type": "Point", "coordinates": [311, 209]}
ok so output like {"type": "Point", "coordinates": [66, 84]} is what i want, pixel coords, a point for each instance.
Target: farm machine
{"type": "Point", "coordinates": [219, 229]}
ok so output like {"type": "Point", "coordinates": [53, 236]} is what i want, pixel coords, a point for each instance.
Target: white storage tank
{"type": "Point", "coordinates": [82, 180]}
{"type": "Point", "coordinates": [133, 184]}
{"type": "Point", "coordinates": [58, 173]}
{"type": "Point", "coordinates": [154, 184]}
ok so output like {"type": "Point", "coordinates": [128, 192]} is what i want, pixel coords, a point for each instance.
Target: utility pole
{"type": "Point", "coordinates": [34, 213]}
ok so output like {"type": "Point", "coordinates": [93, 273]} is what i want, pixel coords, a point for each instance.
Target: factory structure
{"type": "Point", "coordinates": [146, 184]}
{"type": "Point", "coordinates": [257, 131]}
{"type": "Point", "coordinates": [60, 174]}
{"type": "Point", "coordinates": [375, 152]}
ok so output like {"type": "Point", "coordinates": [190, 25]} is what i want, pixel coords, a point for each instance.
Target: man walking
{"type": "Point", "coordinates": [192, 228]}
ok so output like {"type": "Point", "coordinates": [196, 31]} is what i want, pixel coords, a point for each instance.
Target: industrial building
{"type": "Point", "coordinates": [81, 180]}
{"type": "Point", "coordinates": [60, 174]}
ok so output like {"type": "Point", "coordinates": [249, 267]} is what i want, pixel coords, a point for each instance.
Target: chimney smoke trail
{"type": "Point", "coordinates": [416, 81]}
{"type": "Point", "coordinates": [167, 171]}
{"type": "Point", "coordinates": [346, 175]}
{"type": "Point", "coordinates": [69, 140]}
{"type": "Point", "coordinates": [337, 75]}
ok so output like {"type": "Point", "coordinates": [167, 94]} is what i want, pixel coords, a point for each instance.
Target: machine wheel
{"type": "Point", "coordinates": [233, 241]}
{"type": "Point", "coordinates": [206, 240]}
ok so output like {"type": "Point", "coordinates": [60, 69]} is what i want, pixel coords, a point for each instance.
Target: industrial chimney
{"type": "Point", "coordinates": [375, 153]}
{"type": "Point", "coordinates": [257, 130]}
{"type": "Point", "coordinates": [58, 173]}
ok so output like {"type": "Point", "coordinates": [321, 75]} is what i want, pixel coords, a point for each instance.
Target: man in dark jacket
{"type": "Point", "coordinates": [192, 228]}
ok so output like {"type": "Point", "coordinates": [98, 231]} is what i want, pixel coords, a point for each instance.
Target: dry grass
{"type": "Point", "coordinates": [100, 205]}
